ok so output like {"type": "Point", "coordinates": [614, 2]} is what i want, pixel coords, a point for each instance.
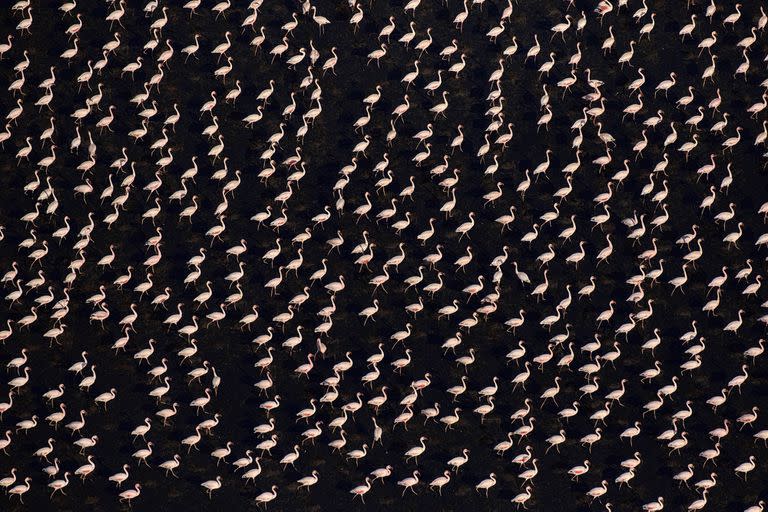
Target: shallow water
{"type": "Point", "coordinates": [327, 147]}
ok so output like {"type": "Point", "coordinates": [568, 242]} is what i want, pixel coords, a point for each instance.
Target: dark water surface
{"type": "Point", "coordinates": [326, 148]}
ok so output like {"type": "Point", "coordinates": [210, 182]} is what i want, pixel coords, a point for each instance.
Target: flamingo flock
{"type": "Point", "coordinates": [315, 254]}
